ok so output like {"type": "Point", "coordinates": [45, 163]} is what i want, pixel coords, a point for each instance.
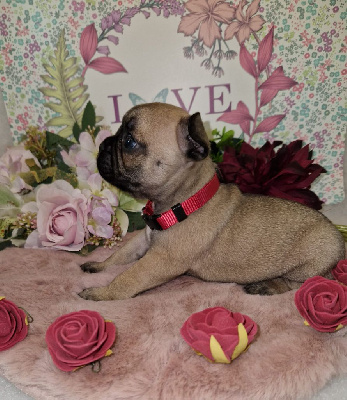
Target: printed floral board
{"type": "Point", "coordinates": [270, 69]}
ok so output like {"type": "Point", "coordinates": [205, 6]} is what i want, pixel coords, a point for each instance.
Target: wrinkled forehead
{"type": "Point", "coordinates": [154, 118]}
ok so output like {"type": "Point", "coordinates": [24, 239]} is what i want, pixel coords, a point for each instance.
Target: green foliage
{"type": "Point", "coordinates": [65, 87]}
{"type": "Point", "coordinates": [36, 177]}
{"type": "Point", "coordinates": [7, 197]}
{"type": "Point", "coordinates": [89, 121]}
{"type": "Point", "coordinates": [54, 141]}
{"type": "Point", "coordinates": [135, 221]}
{"type": "Point", "coordinates": [220, 141]}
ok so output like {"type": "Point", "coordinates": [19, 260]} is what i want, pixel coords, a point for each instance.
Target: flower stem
{"type": "Point", "coordinates": [257, 109]}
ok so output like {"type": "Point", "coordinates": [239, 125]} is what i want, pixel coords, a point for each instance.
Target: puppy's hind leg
{"type": "Point", "coordinates": [268, 287]}
{"type": "Point", "coordinates": [130, 252]}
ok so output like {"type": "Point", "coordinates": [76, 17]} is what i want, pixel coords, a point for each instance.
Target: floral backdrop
{"type": "Point", "coordinates": [281, 62]}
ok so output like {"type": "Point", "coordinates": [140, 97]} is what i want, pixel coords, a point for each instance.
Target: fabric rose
{"type": "Point", "coordinates": [323, 304]}
{"type": "Point", "coordinates": [79, 338]}
{"type": "Point", "coordinates": [340, 272]}
{"type": "Point", "coordinates": [61, 218]}
{"type": "Point", "coordinates": [219, 334]}
{"type": "Point", "coordinates": [13, 324]}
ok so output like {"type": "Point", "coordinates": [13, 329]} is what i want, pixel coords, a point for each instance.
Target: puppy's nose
{"type": "Point", "coordinates": [106, 145]}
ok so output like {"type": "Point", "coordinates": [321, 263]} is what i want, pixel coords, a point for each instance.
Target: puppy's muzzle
{"type": "Point", "coordinates": [105, 160]}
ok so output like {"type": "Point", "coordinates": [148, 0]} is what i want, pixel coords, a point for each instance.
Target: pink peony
{"type": "Point", "coordinates": [219, 334]}
{"type": "Point", "coordinates": [61, 218]}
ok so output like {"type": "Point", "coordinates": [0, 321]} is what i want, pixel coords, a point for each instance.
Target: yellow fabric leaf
{"type": "Point", "coordinates": [339, 327]}
{"type": "Point", "coordinates": [217, 351]}
{"type": "Point", "coordinates": [108, 353]}
{"type": "Point", "coordinates": [306, 323]}
{"type": "Point", "coordinates": [243, 341]}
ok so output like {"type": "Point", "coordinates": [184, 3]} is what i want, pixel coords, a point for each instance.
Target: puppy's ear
{"type": "Point", "coordinates": [192, 138]}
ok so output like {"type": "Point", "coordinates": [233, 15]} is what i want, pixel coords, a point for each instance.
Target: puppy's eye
{"type": "Point", "coordinates": [129, 142]}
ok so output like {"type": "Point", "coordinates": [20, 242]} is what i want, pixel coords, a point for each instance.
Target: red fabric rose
{"type": "Point", "coordinates": [13, 324]}
{"type": "Point", "coordinates": [323, 304]}
{"type": "Point", "coordinates": [340, 272]}
{"type": "Point", "coordinates": [219, 334]}
{"type": "Point", "coordinates": [79, 338]}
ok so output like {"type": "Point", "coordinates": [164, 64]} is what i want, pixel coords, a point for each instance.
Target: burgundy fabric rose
{"type": "Point", "coordinates": [340, 272]}
{"type": "Point", "coordinates": [219, 334]}
{"type": "Point", "coordinates": [286, 173]}
{"type": "Point", "coordinates": [13, 324]}
{"type": "Point", "coordinates": [79, 338]}
{"type": "Point", "coordinates": [323, 304]}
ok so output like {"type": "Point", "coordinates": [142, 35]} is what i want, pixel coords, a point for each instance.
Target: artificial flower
{"type": "Point", "coordinates": [13, 324]}
{"type": "Point", "coordinates": [340, 272]}
{"type": "Point", "coordinates": [245, 23]}
{"type": "Point", "coordinates": [61, 217]}
{"type": "Point", "coordinates": [82, 157]}
{"type": "Point", "coordinates": [206, 15]}
{"type": "Point", "coordinates": [287, 173]}
{"type": "Point", "coordinates": [322, 303]}
{"type": "Point", "coordinates": [219, 334]}
{"type": "Point", "coordinates": [79, 338]}
{"type": "Point", "coordinates": [12, 163]}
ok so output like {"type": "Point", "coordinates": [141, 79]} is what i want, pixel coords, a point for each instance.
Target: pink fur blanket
{"type": "Point", "coordinates": [287, 360]}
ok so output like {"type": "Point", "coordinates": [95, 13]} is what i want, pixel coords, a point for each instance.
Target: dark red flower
{"type": "Point", "coordinates": [287, 173]}
{"type": "Point", "coordinates": [79, 338]}
{"type": "Point", "coordinates": [323, 304]}
{"type": "Point", "coordinates": [13, 324]}
{"type": "Point", "coordinates": [219, 334]}
{"type": "Point", "coordinates": [340, 272]}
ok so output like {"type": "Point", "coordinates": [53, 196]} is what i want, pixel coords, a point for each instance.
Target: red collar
{"type": "Point", "coordinates": [180, 211]}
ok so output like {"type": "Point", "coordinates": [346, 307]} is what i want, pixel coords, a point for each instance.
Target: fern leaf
{"type": "Point", "coordinates": [65, 88]}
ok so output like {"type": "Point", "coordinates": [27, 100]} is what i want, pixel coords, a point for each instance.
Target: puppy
{"type": "Point", "coordinates": [196, 225]}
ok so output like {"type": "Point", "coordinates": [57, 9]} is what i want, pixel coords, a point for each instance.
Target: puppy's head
{"type": "Point", "coordinates": [154, 148]}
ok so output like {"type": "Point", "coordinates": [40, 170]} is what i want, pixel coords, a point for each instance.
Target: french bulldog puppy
{"type": "Point", "coordinates": [267, 244]}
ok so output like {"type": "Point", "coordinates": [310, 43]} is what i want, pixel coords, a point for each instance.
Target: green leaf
{"type": "Point", "coordinates": [89, 117]}
{"type": "Point", "coordinates": [65, 88]}
{"type": "Point", "coordinates": [53, 140]}
{"type": "Point", "coordinates": [66, 176]}
{"type": "Point", "coordinates": [128, 203]}
{"type": "Point", "coordinates": [5, 243]}
{"type": "Point", "coordinates": [6, 196]}
{"type": "Point", "coordinates": [34, 178]}
{"type": "Point", "coordinates": [136, 222]}
{"type": "Point", "coordinates": [76, 131]}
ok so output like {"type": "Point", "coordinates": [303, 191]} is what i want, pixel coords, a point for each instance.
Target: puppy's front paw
{"type": "Point", "coordinates": [91, 267]}
{"type": "Point", "coordinates": [96, 294]}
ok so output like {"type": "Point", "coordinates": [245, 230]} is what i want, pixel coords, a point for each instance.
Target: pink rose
{"type": "Point", "coordinates": [340, 272]}
{"type": "Point", "coordinates": [219, 334]}
{"type": "Point", "coordinates": [323, 304]}
{"type": "Point", "coordinates": [61, 217]}
{"type": "Point", "coordinates": [79, 338]}
{"type": "Point", "coordinates": [13, 324]}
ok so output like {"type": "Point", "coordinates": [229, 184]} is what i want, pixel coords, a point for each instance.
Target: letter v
{"type": "Point", "coordinates": [180, 101]}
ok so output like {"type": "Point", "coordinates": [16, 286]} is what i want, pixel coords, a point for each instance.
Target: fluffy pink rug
{"type": "Point", "coordinates": [151, 361]}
